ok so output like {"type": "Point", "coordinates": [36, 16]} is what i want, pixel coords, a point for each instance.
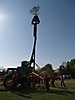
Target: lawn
{"type": "Point", "coordinates": [39, 93]}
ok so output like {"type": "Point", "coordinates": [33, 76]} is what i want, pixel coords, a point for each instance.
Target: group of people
{"type": "Point", "coordinates": [51, 80]}
{"type": "Point", "coordinates": [32, 80]}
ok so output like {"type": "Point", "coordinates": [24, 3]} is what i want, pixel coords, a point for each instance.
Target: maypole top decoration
{"type": "Point", "coordinates": [35, 10]}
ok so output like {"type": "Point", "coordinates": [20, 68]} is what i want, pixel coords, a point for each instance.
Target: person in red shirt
{"type": "Point", "coordinates": [29, 81]}
{"type": "Point", "coordinates": [34, 78]}
{"type": "Point", "coordinates": [52, 81]}
{"type": "Point", "coordinates": [38, 80]}
{"type": "Point", "coordinates": [14, 81]}
{"type": "Point", "coordinates": [46, 81]}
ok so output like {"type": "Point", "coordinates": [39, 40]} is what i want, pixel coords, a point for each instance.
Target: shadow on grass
{"type": "Point", "coordinates": [31, 90]}
{"type": "Point", "coordinates": [24, 92]}
{"type": "Point", "coordinates": [60, 91]}
{"type": "Point", "coordinates": [23, 95]}
{"type": "Point", "coordinates": [41, 90]}
{"type": "Point", "coordinates": [3, 90]}
{"type": "Point", "coordinates": [18, 92]}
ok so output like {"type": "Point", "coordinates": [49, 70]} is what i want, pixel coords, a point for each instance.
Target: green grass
{"type": "Point", "coordinates": [39, 93]}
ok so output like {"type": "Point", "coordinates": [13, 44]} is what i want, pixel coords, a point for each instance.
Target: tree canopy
{"type": "Point", "coordinates": [47, 69]}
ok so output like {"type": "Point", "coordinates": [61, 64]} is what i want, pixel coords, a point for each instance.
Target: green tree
{"type": "Point", "coordinates": [68, 66]}
{"type": "Point", "coordinates": [72, 64]}
{"type": "Point", "coordinates": [62, 69]}
{"type": "Point", "coordinates": [48, 69]}
{"type": "Point", "coordinates": [73, 68]}
{"type": "Point", "coordinates": [2, 71]}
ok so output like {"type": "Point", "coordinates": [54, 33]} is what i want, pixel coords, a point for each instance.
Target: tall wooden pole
{"type": "Point", "coordinates": [35, 21]}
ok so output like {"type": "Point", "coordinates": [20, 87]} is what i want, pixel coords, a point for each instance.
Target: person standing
{"type": "Point", "coordinates": [28, 81]}
{"type": "Point", "coordinates": [52, 81]}
{"type": "Point", "coordinates": [62, 80]}
{"type": "Point", "coordinates": [46, 81]}
{"type": "Point", "coordinates": [38, 80]}
{"type": "Point", "coordinates": [14, 81]}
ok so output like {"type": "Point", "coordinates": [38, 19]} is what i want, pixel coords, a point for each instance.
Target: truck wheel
{"type": "Point", "coordinates": [7, 82]}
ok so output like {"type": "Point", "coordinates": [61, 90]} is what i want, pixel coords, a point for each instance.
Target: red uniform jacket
{"type": "Point", "coordinates": [14, 78]}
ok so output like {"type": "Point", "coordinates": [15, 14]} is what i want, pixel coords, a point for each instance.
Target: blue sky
{"type": "Point", "coordinates": [56, 32]}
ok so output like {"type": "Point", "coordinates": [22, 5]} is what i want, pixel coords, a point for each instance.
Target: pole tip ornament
{"type": "Point", "coordinates": [35, 10]}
